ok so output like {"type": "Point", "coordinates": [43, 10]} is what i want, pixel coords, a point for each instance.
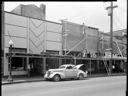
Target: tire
{"type": "Point", "coordinates": [46, 79]}
{"type": "Point", "coordinates": [81, 77]}
{"type": "Point", "coordinates": [56, 78]}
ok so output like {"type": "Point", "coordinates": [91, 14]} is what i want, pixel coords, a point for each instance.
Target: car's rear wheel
{"type": "Point", "coordinates": [81, 76]}
{"type": "Point", "coordinates": [56, 78]}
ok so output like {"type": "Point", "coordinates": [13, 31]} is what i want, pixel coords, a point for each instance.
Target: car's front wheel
{"type": "Point", "coordinates": [56, 78]}
{"type": "Point", "coordinates": [81, 76]}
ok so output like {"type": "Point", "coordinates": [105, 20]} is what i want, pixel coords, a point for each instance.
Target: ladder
{"type": "Point", "coordinates": [119, 49]}
{"type": "Point", "coordinates": [107, 67]}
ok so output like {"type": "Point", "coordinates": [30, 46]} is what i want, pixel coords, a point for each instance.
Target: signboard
{"type": "Point", "coordinates": [108, 54]}
{"type": "Point", "coordinates": [109, 11]}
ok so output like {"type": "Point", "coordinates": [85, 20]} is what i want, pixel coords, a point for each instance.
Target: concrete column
{"type": "Point", "coordinates": [27, 62]}
{"type": "Point", "coordinates": [45, 36]}
{"type": "Point", "coordinates": [44, 65]}
{"type": "Point", "coordinates": [75, 60]}
{"type": "Point", "coordinates": [28, 35]}
{"type": "Point", "coordinates": [2, 36]}
{"type": "Point", "coordinates": [60, 61]}
{"type": "Point", "coordinates": [98, 65]}
{"type": "Point", "coordinates": [90, 66]}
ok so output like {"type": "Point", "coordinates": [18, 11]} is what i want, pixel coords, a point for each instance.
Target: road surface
{"type": "Point", "coordinates": [101, 86]}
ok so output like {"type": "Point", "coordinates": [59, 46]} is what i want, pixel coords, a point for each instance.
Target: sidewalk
{"type": "Point", "coordinates": [40, 78]}
{"type": "Point", "coordinates": [22, 79]}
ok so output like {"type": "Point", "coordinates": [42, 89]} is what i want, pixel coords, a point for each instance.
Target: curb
{"type": "Point", "coordinates": [39, 80]}
{"type": "Point", "coordinates": [24, 81]}
{"type": "Point", "coordinates": [95, 76]}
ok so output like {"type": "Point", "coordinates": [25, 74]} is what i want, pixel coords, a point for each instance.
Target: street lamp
{"type": "Point", "coordinates": [10, 70]}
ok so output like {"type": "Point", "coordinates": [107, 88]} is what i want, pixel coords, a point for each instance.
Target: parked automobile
{"type": "Point", "coordinates": [66, 71]}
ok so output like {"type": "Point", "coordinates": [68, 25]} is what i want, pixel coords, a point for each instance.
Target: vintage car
{"type": "Point", "coordinates": [66, 71]}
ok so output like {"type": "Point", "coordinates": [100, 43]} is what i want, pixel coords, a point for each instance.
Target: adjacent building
{"type": "Point", "coordinates": [80, 39]}
{"type": "Point", "coordinates": [31, 11]}
{"type": "Point", "coordinates": [119, 42]}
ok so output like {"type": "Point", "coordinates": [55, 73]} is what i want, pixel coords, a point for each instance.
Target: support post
{"type": "Point", "coordinates": [2, 40]}
{"type": "Point", "coordinates": [90, 67]}
{"type": "Point", "coordinates": [44, 65]}
{"type": "Point", "coordinates": [27, 64]}
{"type": "Point", "coordinates": [75, 60]}
{"type": "Point", "coordinates": [28, 34]}
{"type": "Point", "coordinates": [60, 61]}
{"type": "Point", "coordinates": [98, 65]}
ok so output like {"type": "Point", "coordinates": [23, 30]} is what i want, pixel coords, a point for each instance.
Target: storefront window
{"type": "Point", "coordinates": [18, 64]}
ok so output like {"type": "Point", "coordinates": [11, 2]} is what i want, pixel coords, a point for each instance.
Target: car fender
{"type": "Point", "coordinates": [61, 74]}
{"type": "Point", "coordinates": [81, 72]}
{"type": "Point", "coordinates": [86, 73]}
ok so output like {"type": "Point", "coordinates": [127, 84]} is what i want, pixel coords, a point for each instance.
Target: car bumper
{"type": "Point", "coordinates": [47, 77]}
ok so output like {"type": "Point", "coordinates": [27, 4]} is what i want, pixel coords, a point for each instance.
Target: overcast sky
{"type": "Point", "coordinates": [92, 14]}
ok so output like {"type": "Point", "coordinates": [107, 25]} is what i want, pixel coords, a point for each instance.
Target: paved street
{"type": "Point", "coordinates": [101, 86]}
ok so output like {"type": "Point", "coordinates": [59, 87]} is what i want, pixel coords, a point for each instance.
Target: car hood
{"type": "Point", "coordinates": [79, 65]}
{"type": "Point", "coordinates": [82, 67]}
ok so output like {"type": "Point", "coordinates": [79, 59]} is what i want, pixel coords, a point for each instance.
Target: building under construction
{"type": "Point", "coordinates": [45, 44]}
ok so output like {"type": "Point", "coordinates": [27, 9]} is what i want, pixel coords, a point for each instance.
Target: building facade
{"type": "Point", "coordinates": [29, 35]}
{"type": "Point", "coordinates": [80, 38]}
{"type": "Point", "coordinates": [119, 42]}
{"type": "Point", "coordinates": [41, 43]}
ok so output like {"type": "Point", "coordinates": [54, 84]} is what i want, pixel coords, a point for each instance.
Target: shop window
{"type": "Point", "coordinates": [52, 63]}
{"type": "Point", "coordinates": [18, 64]}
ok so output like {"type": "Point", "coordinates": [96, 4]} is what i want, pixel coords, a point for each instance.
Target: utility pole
{"type": "Point", "coordinates": [110, 13]}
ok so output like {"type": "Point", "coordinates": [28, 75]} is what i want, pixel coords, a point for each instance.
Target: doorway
{"type": "Point", "coordinates": [36, 65]}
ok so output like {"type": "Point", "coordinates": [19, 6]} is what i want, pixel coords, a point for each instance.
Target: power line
{"type": "Point", "coordinates": [122, 10]}
{"type": "Point", "coordinates": [115, 25]}
{"type": "Point", "coordinates": [117, 18]}
{"type": "Point", "coordinates": [116, 22]}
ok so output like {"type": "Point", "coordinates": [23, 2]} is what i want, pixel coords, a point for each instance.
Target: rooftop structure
{"type": "Point", "coordinates": [31, 11]}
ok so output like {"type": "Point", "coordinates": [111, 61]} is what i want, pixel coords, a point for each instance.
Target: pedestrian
{"type": "Point", "coordinates": [89, 55]}
{"type": "Point", "coordinates": [29, 69]}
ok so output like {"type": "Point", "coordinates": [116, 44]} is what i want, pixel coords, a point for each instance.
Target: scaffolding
{"type": "Point", "coordinates": [65, 59]}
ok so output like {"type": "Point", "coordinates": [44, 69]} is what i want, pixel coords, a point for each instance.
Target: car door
{"type": "Point", "coordinates": [69, 72]}
{"type": "Point", "coordinates": [75, 71]}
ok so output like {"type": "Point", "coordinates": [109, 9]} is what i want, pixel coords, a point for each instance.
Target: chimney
{"type": "Point", "coordinates": [43, 8]}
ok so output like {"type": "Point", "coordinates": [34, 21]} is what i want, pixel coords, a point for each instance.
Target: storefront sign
{"type": "Point", "coordinates": [108, 54]}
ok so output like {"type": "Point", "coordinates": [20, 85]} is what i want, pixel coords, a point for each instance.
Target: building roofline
{"type": "Point", "coordinates": [93, 28]}
{"type": "Point", "coordinates": [119, 30]}
{"type": "Point", "coordinates": [32, 17]}
{"type": "Point", "coordinates": [85, 25]}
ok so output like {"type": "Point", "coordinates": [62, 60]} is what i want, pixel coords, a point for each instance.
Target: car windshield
{"type": "Point", "coordinates": [62, 67]}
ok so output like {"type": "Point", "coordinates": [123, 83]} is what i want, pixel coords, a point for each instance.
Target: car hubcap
{"type": "Point", "coordinates": [80, 77]}
{"type": "Point", "coordinates": [56, 78]}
